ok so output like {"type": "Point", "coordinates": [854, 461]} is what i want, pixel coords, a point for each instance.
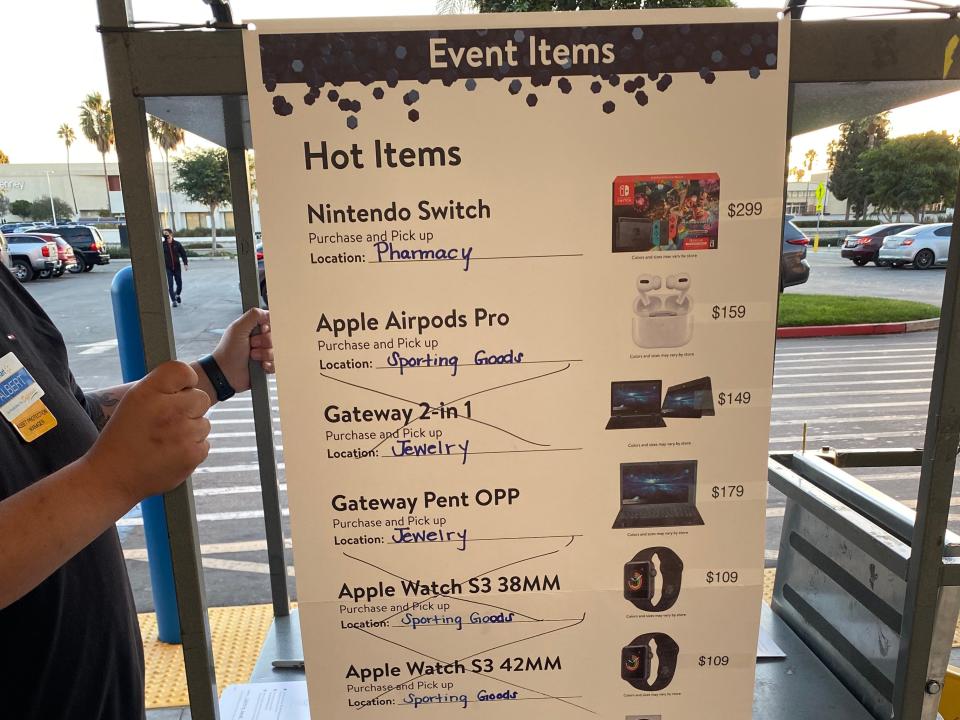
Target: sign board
{"type": "Point", "coordinates": [523, 280]}
{"type": "Point", "coordinates": [821, 194]}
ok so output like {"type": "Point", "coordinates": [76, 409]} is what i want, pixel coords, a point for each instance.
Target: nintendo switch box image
{"type": "Point", "coordinates": [666, 212]}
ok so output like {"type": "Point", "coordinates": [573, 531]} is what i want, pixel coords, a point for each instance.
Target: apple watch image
{"type": "Point", "coordinates": [649, 668]}
{"type": "Point", "coordinates": [650, 568]}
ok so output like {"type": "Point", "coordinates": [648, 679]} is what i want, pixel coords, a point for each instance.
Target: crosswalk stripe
{"type": "Point", "coordinates": [846, 374]}
{"type": "Point", "coordinates": [789, 345]}
{"type": "Point", "coordinates": [918, 383]}
{"type": "Point", "coordinates": [815, 439]}
{"type": "Point", "coordinates": [907, 391]}
{"type": "Point", "coordinates": [239, 434]}
{"type": "Point", "coordinates": [211, 563]}
{"type": "Point", "coordinates": [242, 448]}
{"type": "Point", "coordinates": [879, 352]}
{"type": "Point", "coordinates": [233, 490]}
{"type": "Point", "coordinates": [849, 420]}
{"type": "Point", "coordinates": [875, 360]}
{"type": "Point", "coordinates": [851, 406]}
{"type": "Point", "coordinates": [207, 470]}
{"type": "Point", "coordinates": [207, 517]}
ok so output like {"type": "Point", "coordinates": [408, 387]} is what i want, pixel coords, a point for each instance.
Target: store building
{"type": "Point", "coordinates": [96, 197]}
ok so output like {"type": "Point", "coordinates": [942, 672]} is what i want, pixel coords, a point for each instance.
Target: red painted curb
{"type": "Point", "coordinates": [863, 329]}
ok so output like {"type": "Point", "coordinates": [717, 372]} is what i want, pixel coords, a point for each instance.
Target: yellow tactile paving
{"type": "Point", "coordinates": [238, 634]}
{"type": "Point", "coordinates": [769, 576]}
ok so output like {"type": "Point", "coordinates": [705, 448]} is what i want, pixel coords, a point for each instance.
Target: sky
{"type": "Point", "coordinates": [68, 63]}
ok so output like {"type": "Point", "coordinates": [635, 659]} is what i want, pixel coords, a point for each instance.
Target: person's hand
{"type": "Point", "coordinates": [157, 435]}
{"type": "Point", "coordinates": [247, 338]}
{"type": "Point", "coordinates": [186, 266]}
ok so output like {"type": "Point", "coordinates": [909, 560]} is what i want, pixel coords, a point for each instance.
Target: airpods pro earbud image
{"type": "Point", "coordinates": [663, 320]}
{"type": "Point", "coordinates": [644, 304]}
{"type": "Point", "coordinates": [681, 301]}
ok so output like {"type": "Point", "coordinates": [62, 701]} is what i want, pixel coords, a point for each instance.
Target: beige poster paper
{"type": "Point", "coordinates": [523, 280]}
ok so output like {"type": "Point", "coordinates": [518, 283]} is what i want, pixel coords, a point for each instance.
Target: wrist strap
{"type": "Point", "coordinates": [221, 385]}
{"type": "Point", "coordinates": [668, 653]}
{"type": "Point", "coordinates": [671, 574]}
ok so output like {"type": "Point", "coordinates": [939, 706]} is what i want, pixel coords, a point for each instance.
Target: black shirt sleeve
{"type": "Point", "coordinates": [182, 253]}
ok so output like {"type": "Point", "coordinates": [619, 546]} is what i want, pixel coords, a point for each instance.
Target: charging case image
{"type": "Point", "coordinates": [663, 328]}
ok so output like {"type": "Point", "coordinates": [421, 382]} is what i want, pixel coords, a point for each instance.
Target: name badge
{"type": "Point", "coordinates": [20, 400]}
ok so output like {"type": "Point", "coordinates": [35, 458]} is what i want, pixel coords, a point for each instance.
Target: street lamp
{"type": "Point", "coordinates": [53, 210]}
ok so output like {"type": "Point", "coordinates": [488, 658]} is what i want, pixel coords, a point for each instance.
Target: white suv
{"type": "Point", "coordinates": [923, 246]}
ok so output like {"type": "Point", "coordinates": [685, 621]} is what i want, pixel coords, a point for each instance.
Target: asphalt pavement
{"type": "Point", "coordinates": [831, 274]}
{"type": "Point", "coordinates": [858, 392]}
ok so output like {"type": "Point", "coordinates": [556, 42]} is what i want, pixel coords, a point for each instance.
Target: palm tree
{"type": "Point", "coordinates": [96, 124]}
{"type": "Point", "coordinates": [809, 158]}
{"type": "Point", "coordinates": [66, 133]}
{"type": "Point", "coordinates": [169, 138]}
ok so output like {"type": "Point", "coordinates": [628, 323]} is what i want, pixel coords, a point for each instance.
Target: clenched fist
{"type": "Point", "coordinates": [157, 435]}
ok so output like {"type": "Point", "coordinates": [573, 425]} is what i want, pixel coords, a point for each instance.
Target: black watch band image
{"type": "Point", "coordinates": [221, 385]}
{"type": "Point", "coordinates": [636, 661]}
{"type": "Point", "coordinates": [641, 578]}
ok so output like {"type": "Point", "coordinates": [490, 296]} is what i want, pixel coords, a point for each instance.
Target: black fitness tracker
{"type": "Point", "coordinates": [640, 579]}
{"type": "Point", "coordinates": [221, 385]}
{"type": "Point", "coordinates": [636, 660]}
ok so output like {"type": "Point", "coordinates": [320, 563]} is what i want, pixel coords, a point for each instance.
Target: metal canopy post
{"type": "Point", "coordinates": [259, 391]}
{"type": "Point", "coordinates": [140, 205]}
{"type": "Point", "coordinates": [916, 693]}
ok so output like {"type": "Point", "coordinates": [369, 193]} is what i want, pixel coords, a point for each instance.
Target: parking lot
{"type": "Point", "coordinates": [830, 274]}
{"type": "Point", "coordinates": [861, 392]}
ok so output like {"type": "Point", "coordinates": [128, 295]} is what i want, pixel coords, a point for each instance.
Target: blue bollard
{"type": "Point", "coordinates": [133, 366]}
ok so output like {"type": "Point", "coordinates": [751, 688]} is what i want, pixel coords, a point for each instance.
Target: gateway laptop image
{"type": "Point", "coordinates": [689, 400]}
{"type": "Point", "coordinates": [635, 404]}
{"type": "Point", "coordinates": [658, 494]}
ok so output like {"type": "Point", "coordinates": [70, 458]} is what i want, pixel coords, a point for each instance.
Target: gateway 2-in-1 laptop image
{"type": "Point", "coordinates": [635, 404]}
{"type": "Point", "coordinates": [658, 494]}
{"type": "Point", "coordinates": [691, 399]}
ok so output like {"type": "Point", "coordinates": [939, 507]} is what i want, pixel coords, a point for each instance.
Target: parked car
{"type": "Point", "coordinates": [4, 252]}
{"type": "Point", "coordinates": [794, 268]}
{"type": "Point", "coordinates": [863, 246]}
{"type": "Point", "coordinates": [88, 244]}
{"type": "Point", "coordinates": [31, 255]}
{"type": "Point", "coordinates": [66, 260]}
{"type": "Point", "coordinates": [261, 274]}
{"type": "Point", "coordinates": [66, 255]}
{"type": "Point", "coordinates": [923, 247]}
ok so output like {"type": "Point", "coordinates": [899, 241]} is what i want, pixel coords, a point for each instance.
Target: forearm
{"type": "Point", "coordinates": [49, 522]}
{"type": "Point", "coordinates": [102, 403]}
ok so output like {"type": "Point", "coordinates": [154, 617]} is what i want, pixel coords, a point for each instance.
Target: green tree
{"type": "Point", "coordinates": [96, 124]}
{"type": "Point", "coordinates": [847, 180]}
{"type": "Point", "coordinates": [203, 176]}
{"type": "Point", "coordinates": [168, 137]}
{"type": "Point", "coordinates": [40, 209]}
{"type": "Point", "coordinates": [4, 160]}
{"type": "Point", "coordinates": [910, 172]}
{"type": "Point", "coordinates": [21, 208]}
{"type": "Point", "coordinates": [66, 133]}
{"type": "Point", "coordinates": [547, 5]}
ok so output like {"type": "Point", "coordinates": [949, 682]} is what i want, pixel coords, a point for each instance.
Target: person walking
{"type": "Point", "coordinates": [173, 252]}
